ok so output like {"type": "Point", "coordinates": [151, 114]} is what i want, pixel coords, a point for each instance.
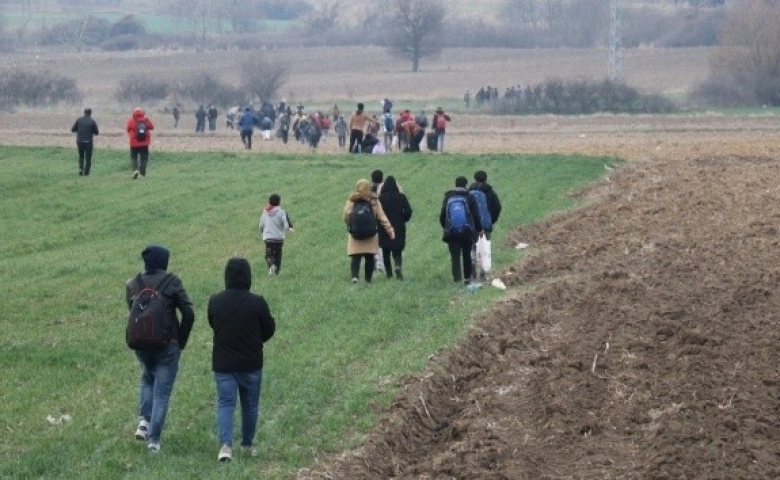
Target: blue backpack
{"type": "Point", "coordinates": [458, 223]}
{"type": "Point", "coordinates": [482, 208]}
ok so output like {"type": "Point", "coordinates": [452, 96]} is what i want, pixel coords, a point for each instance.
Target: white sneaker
{"type": "Point", "coordinates": [135, 174]}
{"type": "Point", "coordinates": [272, 270]}
{"type": "Point", "coordinates": [225, 454]}
{"type": "Point", "coordinates": [154, 448]}
{"type": "Point", "coordinates": [142, 432]}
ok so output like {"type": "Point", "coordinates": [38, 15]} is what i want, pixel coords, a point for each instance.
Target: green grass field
{"type": "Point", "coordinates": [70, 243]}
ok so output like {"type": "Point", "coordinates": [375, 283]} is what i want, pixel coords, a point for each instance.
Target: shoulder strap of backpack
{"type": "Point", "coordinates": [168, 278]}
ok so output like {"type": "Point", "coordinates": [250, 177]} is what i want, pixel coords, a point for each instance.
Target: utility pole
{"type": "Point", "coordinates": [615, 44]}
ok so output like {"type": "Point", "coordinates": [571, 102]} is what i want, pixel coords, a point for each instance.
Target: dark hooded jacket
{"type": "Point", "coordinates": [398, 211]}
{"type": "Point", "coordinates": [241, 321]}
{"type": "Point", "coordinates": [473, 216]}
{"type": "Point", "coordinates": [155, 265]}
{"type": "Point", "coordinates": [494, 204]}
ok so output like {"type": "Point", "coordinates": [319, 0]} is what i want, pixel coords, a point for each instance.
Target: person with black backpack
{"type": "Point", "coordinates": [139, 131]}
{"type": "Point", "coordinates": [158, 338]}
{"type": "Point", "coordinates": [459, 219]}
{"type": "Point", "coordinates": [363, 215]}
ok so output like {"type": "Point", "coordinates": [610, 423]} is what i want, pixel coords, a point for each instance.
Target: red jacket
{"type": "Point", "coordinates": [138, 115]}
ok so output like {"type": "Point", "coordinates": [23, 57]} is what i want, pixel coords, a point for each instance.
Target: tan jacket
{"type": "Point", "coordinates": [358, 121]}
{"type": "Point", "coordinates": [369, 245]}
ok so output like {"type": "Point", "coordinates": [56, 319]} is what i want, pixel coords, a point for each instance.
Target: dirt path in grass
{"type": "Point", "coordinates": [639, 340]}
{"type": "Point", "coordinates": [639, 337]}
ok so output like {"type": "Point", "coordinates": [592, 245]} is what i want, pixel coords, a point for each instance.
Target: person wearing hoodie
{"type": "Point", "coordinates": [460, 244]}
{"type": "Point", "coordinates": [242, 323]}
{"type": "Point", "coordinates": [398, 210]}
{"type": "Point", "coordinates": [493, 202]}
{"type": "Point", "coordinates": [274, 222]}
{"type": "Point", "coordinates": [366, 248]}
{"type": "Point", "coordinates": [85, 129]}
{"type": "Point", "coordinates": [159, 367]}
{"type": "Point", "coordinates": [139, 131]}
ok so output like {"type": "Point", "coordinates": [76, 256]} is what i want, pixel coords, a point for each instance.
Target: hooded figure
{"type": "Point", "coordinates": [159, 366]}
{"type": "Point", "coordinates": [366, 248]}
{"type": "Point", "coordinates": [155, 258]}
{"type": "Point", "coordinates": [139, 131]}
{"type": "Point", "coordinates": [398, 210]}
{"type": "Point", "coordinates": [242, 323]}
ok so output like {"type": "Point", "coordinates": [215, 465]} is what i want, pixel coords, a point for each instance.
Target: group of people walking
{"type": "Point", "coordinates": [375, 215]}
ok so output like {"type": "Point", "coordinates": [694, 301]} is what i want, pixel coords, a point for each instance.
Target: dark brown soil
{"type": "Point", "coordinates": [640, 341]}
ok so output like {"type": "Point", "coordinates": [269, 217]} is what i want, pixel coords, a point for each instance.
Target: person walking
{"type": "Point", "coordinates": [85, 129]}
{"type": "Point", "coordinates": [274, 222]}
{"type": "Point", "coordinates": [176, 115]}
{"type": "Point", "coordinates": [340, 127]}
{"type": "Point", "coordinates": [139, 131]}
{"type": "Point", "coordinates": [398, 211]}
{"type": "Point", "coordinates": [440, 120]}
{"type": "Point", "coordinates": [159, 367]}
{"type": "Point", "coordinates": [361, 214]}
{"type": "Point", "coordinates": [242, 323]}
{"type": "Point", "coordinates": [246, 125]}
{"type": "Point", "coordinates": [489, 215]}
{"type": "Point", "coordinates": [212, 114]}
{"type": "Point", "coordinates": [358, 122]}
{"type": "Point", "coordinates": [459, 220]}
{"type": "Point", "coordinates": [200, 120]}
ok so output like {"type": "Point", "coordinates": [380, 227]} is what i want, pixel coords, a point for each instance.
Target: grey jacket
{"type": "Point", "coordinates": [274, 222]}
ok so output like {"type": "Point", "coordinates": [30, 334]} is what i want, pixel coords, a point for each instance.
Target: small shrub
{"type": "Point", "coordinates": [204, 88]}
{"type": "Point", "coordinates": [141, 89]}
{"type": "Point", "coordinates": [36, 89]}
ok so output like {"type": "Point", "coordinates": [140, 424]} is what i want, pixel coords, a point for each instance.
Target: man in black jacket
{"type": "Point", "coordinates": [460, 243]}
{"type": "Point", "coordinates": [494, 204]}
{"type": "Point", "coordinates": [85, 129]}
{"type": "Point", "coordinates": [242, 323]}
{"type": "Point", "coordinates": [159, 367]}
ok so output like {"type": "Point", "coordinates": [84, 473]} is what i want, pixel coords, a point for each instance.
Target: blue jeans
{"type": "Point", "coordinates": [440, 140]}
{"type": "Point", "coordinates": [158, 372]}
{"type": "Point", "coordinates": [248, 386]}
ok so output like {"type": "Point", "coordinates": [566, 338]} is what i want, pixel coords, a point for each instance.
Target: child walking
{"type": "Point", "coordinates": [274, 222]}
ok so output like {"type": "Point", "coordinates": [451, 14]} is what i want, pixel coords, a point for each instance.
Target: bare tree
{"type": "Point", "coordinates": [263, 77]}
{"type": "Point", "coordinates": [415, 27]}
{"type": "Point", "coordinates": [323, 17]}
{"type": "Point", "coordinates": [199, 15]}
{"type": "Point", "coordinates": [749, 55]}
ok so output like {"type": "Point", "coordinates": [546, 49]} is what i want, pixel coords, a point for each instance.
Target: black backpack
{"type": "Point", "coordinates": [148, 325]}
{"type": "Point", "coordinates": [140, 130]}
{"type": "Point", "coordinates": [362, 222]}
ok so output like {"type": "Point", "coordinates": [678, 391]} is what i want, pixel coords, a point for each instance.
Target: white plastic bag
{"type": "Point", "coordinates": [483, 254]}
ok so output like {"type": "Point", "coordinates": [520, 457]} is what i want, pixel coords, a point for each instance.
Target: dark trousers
{"type": "Point", "coordinates": [397, 259]}
{"type": "Point", "coordinates": [414, 142]}
{"type": "Point", "coordinates": [460, 250]}
{"type": "Point", "coordinates": [355, 140]}
{"type": "Point", "coordinates": [342, 140]}
{"type": "Point", "coordinates": [246, 137]}
{"type": "Point", "coordinates": [273, 254]}
{"type": "Point", "coordinates": [354, 265]}
{"type": "Point", "coordinates": [85, 157]}
{"type": "Point", "coordinates": [139, 156]}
